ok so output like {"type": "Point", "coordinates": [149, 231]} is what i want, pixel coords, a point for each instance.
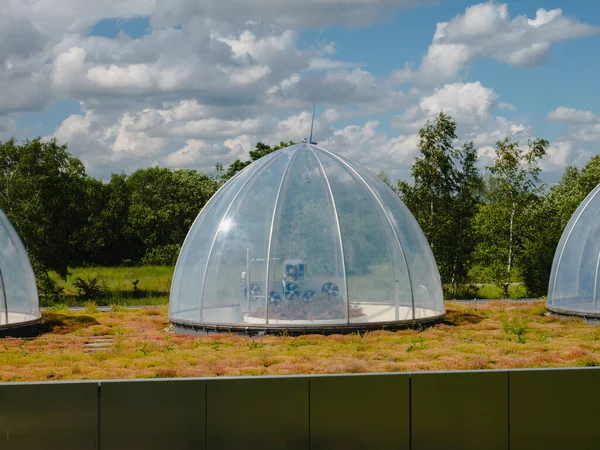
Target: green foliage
{"type": "Point", "coordinates": [547, 217]}
{"type": "Point", "coordinates": [515, 328]}
{"type": "Point", "coordinates": [502, 231]}
{"type": "Point", "coordinates": [136, 289]}
{"type": "Point", "coordinates": [90, 288]}
{"type": "Point", "coordinates": [58, 307]}
{"type": "Point", "coordinates": [103, 237]}
{"type": "Point", "coordinates": [259, 151]}
{"type": "Point", "coordinates": [253, 345]}
{"type": "Point", "coordinates": [115, 307]}
{"type": "Point", "coordinates": [383, 176]}
{"type": "Point", "coordinates": [588, 362]}
{"type": "Point", "coordinates": [163, 205]}
{"type": "Point", "coordinates": [40, 186]}
{"type": "Point", "coordinates": [416, 344]}
{"type": "Point", "coordinates": [91, 306]}
{"type": "Point", "coordinates": [511, 185]}
{"type": "Point", "coordinates": [444, 197]}
{"type": "Point", "coordinates": [50, 290]}
{"type": "Point", "coordinates": [164, 255]}
{"type": "Point", "coordinates": [235, 167]}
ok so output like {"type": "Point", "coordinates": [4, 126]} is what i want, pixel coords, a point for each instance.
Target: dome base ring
{"type": "Point", "coordinates": [21, 330]}
{"type": "Point", "coordinates": [185, 327]}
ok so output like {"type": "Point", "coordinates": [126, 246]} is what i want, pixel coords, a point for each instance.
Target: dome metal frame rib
{"type": "Point", "coordinates": [566, 293]}
{"type": "Point", "coordinates": [189, 315]}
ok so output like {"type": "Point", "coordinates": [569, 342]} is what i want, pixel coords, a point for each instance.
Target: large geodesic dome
{"type": "Point", "coordinates": [19, 305]}
{"type": "Point", "coordinates": [574, 286]}
{"type": "Point", "coordinates": [304, 238]}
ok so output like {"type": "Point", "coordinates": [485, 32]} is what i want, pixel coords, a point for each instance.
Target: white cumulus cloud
{"type": "Point", "coordinates": [486, 30]}
{"type": "Point", "coordinates": [571, 115]}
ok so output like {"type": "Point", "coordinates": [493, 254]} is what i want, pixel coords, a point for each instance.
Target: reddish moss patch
{"type": "Point", "coordinates": [493, 335]}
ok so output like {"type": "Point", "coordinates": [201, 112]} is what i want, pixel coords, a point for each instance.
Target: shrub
{"type": "Point", "coordinates": [136, 289]}
{"type": "Point", "coordinates": [253, 345]}
{"type": "Point", "coordinates": [115, 307]}
{"type": "Point", "coordinates": [50, 290]}
{"type": "Point", "coordinates": [58, 307]}
{"type": "Point", "coordinates": [91, 306]}
{"type": "Point", "coordinates": [515, 328]}
{"type": "Point", "coordinates": [588, 362]}
{"type": "Point", "coordinates": [416, 344]}
{"type": "Point", "coordinates": [90, 288]}
{"type": "Point", "coordinates": [463, 291]}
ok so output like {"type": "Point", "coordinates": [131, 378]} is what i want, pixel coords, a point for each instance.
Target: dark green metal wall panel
{"type": "Point", "coordinates": [549, 409]}
{"type": "Point", "coordinates": [257, 413]}
{"type": "Point", "coordinates": [555, 409]}
{"type": "Point", "coordinates": [360, 412]}
{"type": "Point", "coordinates": [460, 411]}
{"type": "Point", "coordinates": [51, 416]}
{"type": "Point", "coordinates": [165, 414]}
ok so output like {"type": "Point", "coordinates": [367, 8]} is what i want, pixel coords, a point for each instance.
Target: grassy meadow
{"type": "Point", "coordinates": [153, 286]}
{"type": "Point", "coordinates": [154, 283]}
{"type": "Point", "coordinates": [140, 344]}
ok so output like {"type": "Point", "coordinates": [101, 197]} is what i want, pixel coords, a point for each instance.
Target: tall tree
{"type": "Point", "coordinates": [512, 184]}
{"type": "Point", "coordinates": [383, 176]}
{"type": "Point", "coordinates": [444, 196]}
{"type": "Point", "coordinates": [103, 238]}
{"type": "Point", "coordinates": [40, 187]}
{"type": "Point", "coordinates": [469, 187]}
{"type": "Point", "coordinates": [163, 205]}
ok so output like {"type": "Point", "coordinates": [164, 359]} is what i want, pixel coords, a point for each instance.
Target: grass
{"type": "Point", "coordinates": [140, 344]}
{"type": "Point", "coordinates": [154, 282]}
{"type": "Point", "coordinates": [489, 291]}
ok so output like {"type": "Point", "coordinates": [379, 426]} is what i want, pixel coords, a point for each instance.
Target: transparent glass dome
{"type": "Point", "coordinates": [304, 238]}
{"type": "Point", "coordinates": [19, 305]}
{"type": "Point", "coordinates": [574, 282]}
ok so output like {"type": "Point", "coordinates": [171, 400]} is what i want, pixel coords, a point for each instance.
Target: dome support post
{"type": "Point", "coordinates": [596, 284]}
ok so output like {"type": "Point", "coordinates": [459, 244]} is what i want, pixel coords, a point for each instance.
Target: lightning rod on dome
{"type": "Point", "coordinates": [312, 122]}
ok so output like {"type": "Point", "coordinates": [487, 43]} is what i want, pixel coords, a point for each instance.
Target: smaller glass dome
{"type": "Point", "coordinates": [574, 282]}
{"type": "Point", "coordinates": [19, 304]}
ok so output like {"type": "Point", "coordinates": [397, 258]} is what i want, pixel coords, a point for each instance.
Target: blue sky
{"type": "Point", "coordinates": [126, 102]}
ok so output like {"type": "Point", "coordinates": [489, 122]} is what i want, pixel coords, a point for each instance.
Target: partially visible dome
{"type": "Point", "coordinates": [19, 305]}
{"type": "Point", "coordinates": [304, 238]}
{"type": "Point", "coordinates": [574, 286]}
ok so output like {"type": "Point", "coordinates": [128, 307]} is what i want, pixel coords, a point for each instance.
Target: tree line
{"type": "Point", "coordinates": [499, 224]}
{"type": "Point", "coordinates": [67, 218]}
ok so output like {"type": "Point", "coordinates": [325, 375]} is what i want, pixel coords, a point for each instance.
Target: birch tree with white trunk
{"type": "Point", "coordinates": [512, 182]}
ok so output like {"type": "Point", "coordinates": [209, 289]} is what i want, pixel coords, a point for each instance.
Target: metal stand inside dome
{"type": "Point", "coordinates": [296, 283]}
